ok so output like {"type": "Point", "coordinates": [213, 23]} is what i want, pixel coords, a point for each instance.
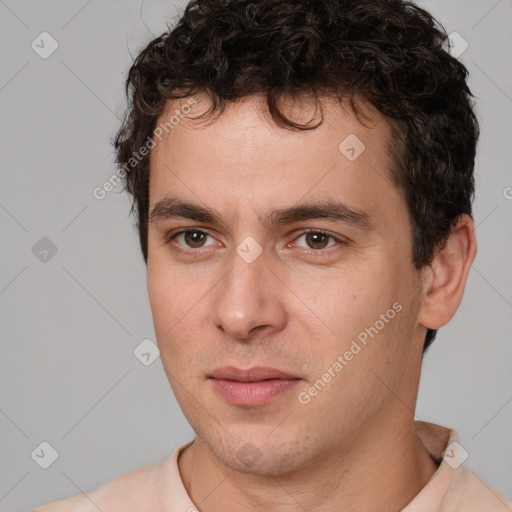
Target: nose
{"type": "Point", "coordinates": [250, 302]}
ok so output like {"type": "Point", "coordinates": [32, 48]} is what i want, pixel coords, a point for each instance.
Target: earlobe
{"type": "Point", "coordinates": [447, 275]}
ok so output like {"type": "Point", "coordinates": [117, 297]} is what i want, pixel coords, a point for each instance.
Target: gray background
{"type": "Point", "coordinates": [69, 325]}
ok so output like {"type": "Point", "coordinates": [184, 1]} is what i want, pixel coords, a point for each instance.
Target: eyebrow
{"type": "Point", "coordinates": [169, 207]}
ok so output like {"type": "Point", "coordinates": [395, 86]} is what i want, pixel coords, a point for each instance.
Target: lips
{"type": "Point", "coordinates": [256, 374]}
{"type": "Point", "coordinates": [253, 387]}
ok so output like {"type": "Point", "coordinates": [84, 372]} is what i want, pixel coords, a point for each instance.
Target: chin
{"type": "Point", "coordinates": [261, 455]}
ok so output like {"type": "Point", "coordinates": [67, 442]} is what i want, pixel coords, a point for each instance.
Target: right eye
{"type": "Point", "coordinates": [191, 238]}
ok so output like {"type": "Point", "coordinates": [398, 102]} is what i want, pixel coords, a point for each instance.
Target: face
{"type": "Point", "coordinates": [293, 255]}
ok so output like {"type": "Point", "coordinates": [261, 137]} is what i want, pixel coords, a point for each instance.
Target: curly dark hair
{"type": "Point", "coordinates": [390, 53]}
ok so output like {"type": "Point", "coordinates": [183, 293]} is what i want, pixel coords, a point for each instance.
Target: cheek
{"type": "Point", "coordinates": [171, 303]}
{"type": "Point", "coordinates": [362, 314]}
{"type": "Point", "coordinates": [162, 298]}
{"type": "Point", "coordinates": [344, 301]}
{"type": "Point", "coordinates": [179, 305]}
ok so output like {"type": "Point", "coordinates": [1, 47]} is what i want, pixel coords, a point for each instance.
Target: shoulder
{"type": "Point", "coordinates": [454, 487]}
{"type": "Point", "coordinates": [135, 491]}
{"type": "Point", "coordinates": [473, 494]}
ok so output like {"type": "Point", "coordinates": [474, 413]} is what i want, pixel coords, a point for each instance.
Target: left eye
{"type": "Point", "coordinates": [318, 240]}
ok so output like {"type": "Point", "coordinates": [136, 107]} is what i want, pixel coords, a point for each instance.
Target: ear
{"type": "Point", "coordinates": [445, 278]}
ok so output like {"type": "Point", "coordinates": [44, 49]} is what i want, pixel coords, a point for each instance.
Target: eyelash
{"type": "Point", "coordinates": [327, 250]}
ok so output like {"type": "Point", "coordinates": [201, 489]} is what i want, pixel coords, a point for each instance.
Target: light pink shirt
{"type": "Point", "coordinates": [159, 488]}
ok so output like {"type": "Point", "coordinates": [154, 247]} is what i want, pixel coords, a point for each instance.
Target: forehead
{"type": "Point", "coordinates": [244, 161]}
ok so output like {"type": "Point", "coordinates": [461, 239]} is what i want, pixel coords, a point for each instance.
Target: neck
{"type": "Point", "coordinates": [382, 468]}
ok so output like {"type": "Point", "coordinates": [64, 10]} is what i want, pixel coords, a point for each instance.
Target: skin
{"type": "Point", "coordinates": [296, 307]}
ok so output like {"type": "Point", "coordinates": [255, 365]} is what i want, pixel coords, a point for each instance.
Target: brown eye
{"type": "Point", "coordinates": [317, 240]}
{"type": "Point", "coordinates": [195, 238]}
{"type": "Point", "coordinates": [191, 238]}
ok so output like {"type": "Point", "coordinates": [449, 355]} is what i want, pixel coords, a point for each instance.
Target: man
{"type": "Point", "coordinates": [302, 172]}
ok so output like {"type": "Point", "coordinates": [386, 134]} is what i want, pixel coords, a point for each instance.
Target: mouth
{"type": "Point", "coordinates": [256, 374]}
{"type": "Point", "coordinates": [251, 387]}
